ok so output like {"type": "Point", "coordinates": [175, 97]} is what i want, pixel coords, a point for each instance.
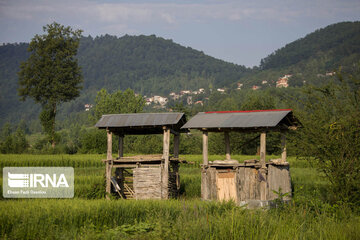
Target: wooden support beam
{"type": "Point", "coordinates": [108, 163]}
{"type": "Point", "coordinates": [121, 146]}
{"type": "Point", "coordinates": [176, 145]}
{"type": "Point", "coordinates": [166, 157]}
{"type": "Point", "coordinates": [263, 170]}
{"type": "Point", "coordinates": [227, 145]}
{"type": "Point", "coordinates": [283, 147]}
{"type": "Point", "coordinates": [262, 149]}
{"type": "Point", "coordinates": [174, 132]}
{"type": "Point", "coordinates": [205, 148]}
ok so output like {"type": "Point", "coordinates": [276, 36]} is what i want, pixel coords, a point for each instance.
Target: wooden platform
{"type": "Point", "coordinates": [247, 163]}
{"type": "Point", "coordinates": [143, 160]}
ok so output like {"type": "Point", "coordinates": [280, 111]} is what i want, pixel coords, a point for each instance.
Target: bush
{"type": "Point", "coordinates": [330, 137]}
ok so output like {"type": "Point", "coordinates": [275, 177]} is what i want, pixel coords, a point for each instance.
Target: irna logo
{"type": "Point", "coordinates": [16, 180]}
{"type": "Point", "coordinates": [38, 182]}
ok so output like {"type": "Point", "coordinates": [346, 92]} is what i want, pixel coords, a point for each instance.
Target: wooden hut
{"type": "Point", "coordinates": [253, 181]}
{"type": "Point", "coordinates": [143, 176]}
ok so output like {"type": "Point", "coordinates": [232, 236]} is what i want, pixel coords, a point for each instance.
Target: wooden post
{"type": "Point", "coordinates": [263, 170]}
{"type": "Point", "coordinates": [176, 145]}
{"type": "Point", "coordinates": [227, 145]}
{"type": "Point", "coordinates": [166, 156]}
{"type": "Point", "coordinates": [263, 184]}
{"type": "Point", "coordinates": [262, 149]}
{"type": "Point", "coordinates": [283, 147]}
{"type": "Point", "coordinates": [205, 148]}
{"type": "Point", "coordinates": [108, 163]}
{"type": "Point", "coordinates": [121, 146]}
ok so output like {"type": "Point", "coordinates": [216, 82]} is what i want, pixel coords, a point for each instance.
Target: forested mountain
{"type": "Point", "coordinates": [147, 64]}
{"type": "Point", "coordinates": [155, 66]}
{"type": "Point", "coordinates": [309, 59]}
{"type": "Point", "coordinates": [338, 44]}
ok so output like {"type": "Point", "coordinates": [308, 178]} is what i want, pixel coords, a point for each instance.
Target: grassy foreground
{"type": "Point", "coordinates": [89, 216]}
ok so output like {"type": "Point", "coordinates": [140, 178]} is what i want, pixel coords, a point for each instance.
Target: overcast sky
{"type": "Point", "coordinates": [241, 32]}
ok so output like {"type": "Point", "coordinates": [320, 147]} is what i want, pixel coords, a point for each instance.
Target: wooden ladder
{"type": "Point", "coordinates": [129, 193]}
{"type": "Point", "coordinates": [128, 185]}
{"type": "Point", "coordinates": [116, 186]}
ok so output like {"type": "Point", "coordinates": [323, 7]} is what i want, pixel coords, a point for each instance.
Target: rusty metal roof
{"type": "Point", "coordinates": [141, 123]}
{"type": "Point", "coordinates": [247, 120]}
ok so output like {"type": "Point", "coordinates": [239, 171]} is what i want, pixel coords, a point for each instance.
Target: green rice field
{"type": "Point", "coordinates": [89, 216]}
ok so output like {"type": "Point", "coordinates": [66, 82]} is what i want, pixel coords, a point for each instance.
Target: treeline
{"type": "Point", "coordinates": [76, 134]}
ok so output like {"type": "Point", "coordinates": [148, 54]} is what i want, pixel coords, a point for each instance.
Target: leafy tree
{"type": "Point", "coordinates": [51, 74]}
{"type": "Point", "coordinates": [330, 137]}
{"type": "Point", "coordinates": [117, 102]}
{"type": "Point", "coordinates": [12, 142]}
{"type": "Point", "coordinates": [180, 107]}
{"type": "Point", "coordinates": [258, 101]}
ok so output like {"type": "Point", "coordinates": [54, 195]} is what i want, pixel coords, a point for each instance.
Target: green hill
{"type": "Point", "coordinates": [147, 64]}
{"type": "Point", "coordinates": [155, 66]}
{"type": "Point", "coordinates": [336, 44]}
{"type": "Point", "coordinates": [309, 59]}
{"type": "Point", "coordinates": [150, 64]}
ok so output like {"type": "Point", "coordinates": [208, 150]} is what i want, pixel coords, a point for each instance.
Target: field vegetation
{"type": "Point", "coordinates": [90, 216]}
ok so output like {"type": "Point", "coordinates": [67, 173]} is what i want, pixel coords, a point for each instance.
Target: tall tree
{"type": "Point", "coordinates": [51, 74]}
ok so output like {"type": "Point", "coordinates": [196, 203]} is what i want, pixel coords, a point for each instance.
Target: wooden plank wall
{"type": "Point", "coordinates": [227, 188]}
{"type": "Point", "coordinates": [279, 177]}
{"type": "Point", "coordinates": [147, 183]}
{"type": "Point", "coordinates": [248, 183]}
{"type": "Point", "coordinates": [208, 184]}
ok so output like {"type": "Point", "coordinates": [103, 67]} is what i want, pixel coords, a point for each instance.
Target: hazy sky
{"type": "Point", "coordinates": [241, 32]}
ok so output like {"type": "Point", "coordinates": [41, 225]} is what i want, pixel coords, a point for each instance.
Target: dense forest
{"type": "Point", "coordinates": [338, 44]}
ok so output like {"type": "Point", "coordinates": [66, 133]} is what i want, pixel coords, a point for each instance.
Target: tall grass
{"type": "Point", "coordinates": [29, 160]}
{"type": "Point", "coordinates": [89, 216]}
{"type": "Point", "coordinates": [174, 219]}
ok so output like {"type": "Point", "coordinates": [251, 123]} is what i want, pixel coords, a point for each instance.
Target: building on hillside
{"type": "Point", "coordinates": [282, 82]}
{"type": "Point", "coordinates": [222, 90]}
{"type": "Point", "coordinates": [201, 90]}
{"type": "Point", "coordinates": [149, 101]}
{"type": "Point", "coordinates": [183, 92]}
{"type": "Point", "coordinates": [255, 87]}
{"type": "Point", "coordinates": [160, 100]}
{"type": "Point", "coordinates": [330, 74]}
{"type": "Point", "coordinates": [88, 106]}
{"type": "Point", "coordinates": [239, 86]}
{"type": "Point", "coordinates": [199, 102]}
{"type": "Point", "coordinates": [189, 100]}
{"type": "Point", "coordinates": [174, 96]}
{"type": "Point", "coordinates": [264, 82]}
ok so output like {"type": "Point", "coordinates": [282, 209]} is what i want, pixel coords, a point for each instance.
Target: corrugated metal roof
{"type": "Point", "coordinates": [241, 119]}
{"type": "Point", "coordinates": [139, 120]}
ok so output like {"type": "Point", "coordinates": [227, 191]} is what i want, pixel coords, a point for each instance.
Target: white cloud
{"type": "Point", "coordinates": [170, 12]}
